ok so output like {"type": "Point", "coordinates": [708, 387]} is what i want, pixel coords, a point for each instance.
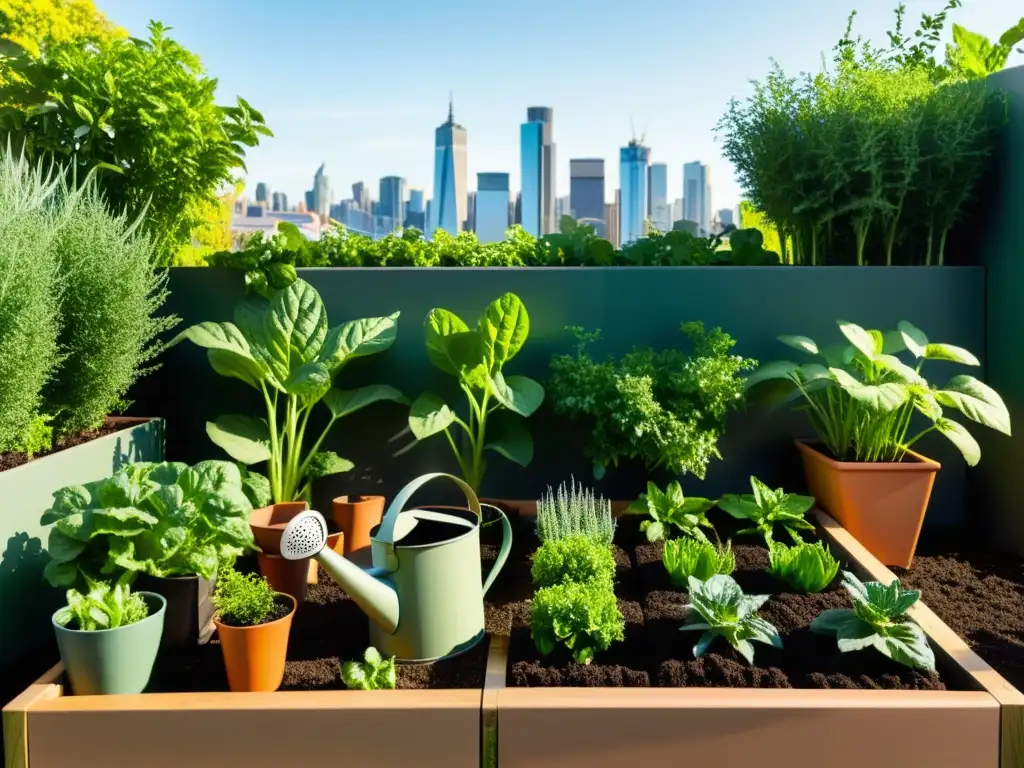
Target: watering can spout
{"type": "Point", "coordinates": [306, 536]}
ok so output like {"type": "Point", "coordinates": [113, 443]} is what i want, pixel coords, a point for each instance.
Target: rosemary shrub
{"type": "Point", "coordinates": [574, 511]}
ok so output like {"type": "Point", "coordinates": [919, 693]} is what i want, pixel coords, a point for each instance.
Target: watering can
{"type": "Point", "coordinates": [424, 595]}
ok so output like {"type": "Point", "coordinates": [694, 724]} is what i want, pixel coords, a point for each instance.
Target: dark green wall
{"type": "Point", "coordinates": [632, 306]}
{"type": "Point", "coordinates": [995, 485]}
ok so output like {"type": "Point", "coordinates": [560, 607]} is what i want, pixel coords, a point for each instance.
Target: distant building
{"type": "Point", "coordinates": [726, 217]}
{"type": "Point", "coordinates": [415, 204]}
{"type": "Point", "coordinates": [492, 207]}
{"type": "Point", "coordinates": [657, 197]}
{"type": "Point", "coordinates": [537, 156]}
{"type": "Point", "coordinates": [415, 213]}
{"type": "Point", "coordinates": [470, 223]}
{"type": "Point", "coordinates": [318, 199]}
{"type": "Point", "coordinates": [392, 199]}
{"type": "Point", "coordinates": [449, 201]}
{"type": "Point", "coordinates": [280, 201]}
{"type": "Point", "coordinates": [517, 217]}
{"type": "Point", "coordinates": [697, 196]}
{"type": "Point", "coordinates": [611, 218]}
{"type": "Point", "coordinates": [677, 209]}
{"type": "Point", "coordinates": [586, 191]}
{"type": "Point", "coordinates": [563, 207]}
{"type": "Point", "coordinates": [262, 193]}
{"type": "Point", "coordinates": [633, 160]}
{"type": "Point", "coordinates": [428, 215]}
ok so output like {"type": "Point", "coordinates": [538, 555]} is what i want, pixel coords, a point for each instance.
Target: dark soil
{"type": "Point", "coordinates": [655, 652]}
{"type": "Point", "coordinates": [978, 592]}
{"type": "Point", "coordinates": [16, 459]}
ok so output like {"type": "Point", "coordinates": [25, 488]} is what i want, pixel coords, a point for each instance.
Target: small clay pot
{"type": "Point", "coordinates": [293, 577]}
{"type": "Point", "coordinates": [356, 516]}
{"type": "Point", "coordinates": [268, 523]}
{"type": "Point", "coordinates": [254, 656]}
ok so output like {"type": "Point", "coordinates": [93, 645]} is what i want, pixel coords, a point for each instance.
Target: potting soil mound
{"type": "Point", "coordinates": [656, 653]}
{"type": "Point", "coordinates": [978, 592]}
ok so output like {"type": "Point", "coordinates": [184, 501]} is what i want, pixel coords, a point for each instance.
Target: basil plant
{"type": "Point", "coordinates": [496, 403]}
{"type": "Point", "coordinates": [861, 398]}
{"type": "Point", "coordinates": [283, 348]}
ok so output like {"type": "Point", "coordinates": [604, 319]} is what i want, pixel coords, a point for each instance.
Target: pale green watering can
{"type": "Point", "coordinates": [423, 595]}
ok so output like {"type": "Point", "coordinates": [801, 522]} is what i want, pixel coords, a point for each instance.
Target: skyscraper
{"type": "Point", "coordinates": [470, 224]}
{"type": "Point", "coordinates": [318, 199]}
{"type": "Point", "coordinates": [392, 200]}
{"type": "Point", "coordinates": [677, 210]}
{"type": "Point", "coordinates": [449, 201]}
{"type": "Point", "coordinates": [414, 212]}
{"type": "Point", "coordinates": [280, 201]}
{"type": "Point", "coordinates": [657, 197]}
{"type": "Point", "coordinates": [611, 218]}
{"type": "Point", "coordinates": [633, 159]}
{"type": "Point", "coordinates": [492, 203]}
{"type": "Point", "coordinates": [586, 191]}
{"type": "Point", "coordinates": [563, 207]}
{"type": "Point", "coordinates": [537, 154]}
{"type": "Point", "coordinates": [697, 196]}
{"type": "Point", "coordinates": [415, 201]}
{"type": "Point", "coordinates": [263, 194]}
{"type": "Point", "coordinates": [361, 194]}
{"type": "Point", "coordinates": [725, 217]}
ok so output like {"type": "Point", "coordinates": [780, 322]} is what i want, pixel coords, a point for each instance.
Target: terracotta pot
{"type": "Point", "coordinates": [882, 504]}
{"type": "Point", "coordinates": [356, 516]}
{"type": "Point", "coordinates": [293, 577]}
{"type": "Point", "coordinates": [254, 656]}
{"type": "Point", "coordinates": [268, 524]}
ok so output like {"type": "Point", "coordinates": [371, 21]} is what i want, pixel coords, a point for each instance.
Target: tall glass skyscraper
{"type": "Point", "coordinates": [586, 192]}
{"type": "Point", "coordinates": [697, 196]}
{"type": "Point", "coordinates": [392, 200]}
{"type": "Point", "coordinates": [657, 197]}
{"type": "Point", "coordinates": [415, 201]}
{"type": "Point", "coordinates": [633, 160]}
{"type": "Point", "coordinates": [537, 151]}
{"type": "Point", "coordinates": [263, 193]}
{"type": "Point", "coordinates": [448, 209]}
{"type": "Point", "coordinates": [318, 199]}
{"type": "Point", "coordinates": [492, 201]}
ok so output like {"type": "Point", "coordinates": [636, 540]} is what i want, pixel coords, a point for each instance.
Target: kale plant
{"type": "Point", "coordinates": [243, 600]}
{"type": "Point", "coordinates": [728, 613]}
{"type": "Point", "coordinates": [878, 620]}
{"type": "Point", "coordinates": [666, 409]}
{"type": "Point", "coordinates": [373, 673]}
{"type": "Point", "coordinates": [585, 618]}
{"type": "Point", "coordinates": [804, 567]}
{"type": "Point", "coordinates": [688, 514]}
{"type": "Point", "coordinates": [766, 508]}
{"type": "Point", "coordinates": [700, 559]}
{"type": "Point", "coordinates": [104, 606]}
{"type": "Point", "coordinates": [577, 559]}
{"type": "Point", "coordinates": [575, 512]}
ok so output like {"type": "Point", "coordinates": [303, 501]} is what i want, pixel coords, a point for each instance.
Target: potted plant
{"type": "Point", "coordinates": [862, 401]}
{"type": "Point", "coordinates": [172, 525]}
{"type": "Point", "coordinates": [283, 348]}
{"type": "Point", "coordinates": [253, 622]}
{"type": "Point", "coordinates": [109, 637]}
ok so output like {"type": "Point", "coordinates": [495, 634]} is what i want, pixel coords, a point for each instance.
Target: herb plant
{"type": "Point", "coordinates": [496, 403]}
{"type": "Point", "coordinates": [284, 349]}
{"type": "Point", "coordinates": [585, 618]}
{"type": "Point", "coordinates": [878, 620]}
{"type": "Point", "coordinates": [861, 400]}
{"type": "Point", "coordinates": [728, 613]}
{"type": "Point", "coordinates": [243, 600]}
{"type": "Point", "coordinates": [700, 559]}
{"type": "Point", "coordinates": [666, 409]}
{"type": "Point", "coordinates": [766, 508]}
{"type": "Point", "coordinates": [373, 673]}
{"type": "Point", "coordinates": [577, 559]}
{"type": "Point", "coordinates": [164, 519]}
{"type": "Point", "coordinates": [575, 512]}
{"type": "Point", "coordinates": [671, 508]}
{"type": "Point", "coordinates": [104, 606]}
{"type": "Point", "coordinates": [804, 567]}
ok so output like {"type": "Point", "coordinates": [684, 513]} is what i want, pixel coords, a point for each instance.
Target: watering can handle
{"type": "Point", "coordinates": [506, 546]}
{"type": "Point", "coordinates": [386, 532]}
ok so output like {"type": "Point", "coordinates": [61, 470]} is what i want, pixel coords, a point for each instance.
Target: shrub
{"type": "Point", "coordinates": [585, 618]}
{"type": "Point", "coordinates": [575, 512]}
{"type": "Point", "coordinates": [243, 600]}
{"type": "Point", "coordinates": [688, 557]}
{"type": "Point", "coordinates": [804, 567]}
{"type": "Point", "coordinates": [577, 558]}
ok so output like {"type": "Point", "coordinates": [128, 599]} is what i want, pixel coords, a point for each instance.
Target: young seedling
{"type": "Point", "coordinates": [373, 673]}
{"type": "Point", "coordinates": [766, 508]}
{"type": "Point", "coordinates": [730, 614]}
{"type": "Point", "coordinates": [104, 606]}
{"type": "Point", "coordinates": [689, 515]}
{"type": "Point", "coordinates": [804, 567]}
{"type": "Point", "coordinates": [687, 557]}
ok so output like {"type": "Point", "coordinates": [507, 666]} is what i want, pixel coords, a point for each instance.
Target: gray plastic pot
{"type": "Point", "coordinates": [107, 661]}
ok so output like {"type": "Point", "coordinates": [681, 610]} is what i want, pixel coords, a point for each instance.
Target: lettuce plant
{"type": "Point", "coordinates": [575, 512]}
{"type": "Point", "coordinates": [104, 606]}
{"type": "Point", "coordinates": [766, 508]}
{"type": "Point", "coordinates": [878, 620]}
{"type": "Point", "coordinates": [688, 557]}
{"type": "Point", "coordinates": [861, 398]}
{"type": "Point", "coordinates": [373, 673]}
{"type": "Point", "coordinates": [585, 618]}
{"type": "Point", "coordinates": [165, 519]}
{"type": "Point", "coordinates": [730, 614]}
{"type": "Point", "coordinates": [576, 559]}
{"type": "Point", "coordinates": [804, 567]}
{"type": "Point", "coordinates": [496, 403]}
{"type": "Point", "coordinates": [243, 600]}
{"type": "Point", "coordinates": [688, 514]}
{"type": "Point", "coordinates": [283, 348]}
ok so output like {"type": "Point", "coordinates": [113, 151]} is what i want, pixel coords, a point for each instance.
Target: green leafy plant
{"type": "Point", "coordinates": [165, 519]}
{"type": "Point", "coordinates": [861, 399]}
{"type": "Point", "coordinates": [972, 55]}
{"type": "Point", "coordinates": [730, 614]}
{"type": "Point", "coordinates": [666, 409]}
{"type": "Point", "coordinates": [804, 567]}
{"type": "Point", "coordinates": [283, 348]}
{"type": "Point", "coordinates": [585, 618]}
{"type": "Point", "coordinates": [575, 511]}
{"type": "Point", "coordinates": [766, 508]}
{"type": "Point", "coordinates": [373, 673]}
{"type": "Point", "coordinates": [496, 403]}
{"type": "Point", "coordinates": [878, 620]}
{"type": "Point", "coordinates": [104, 606]}
{"type": "Point", "coordinates": [747, 246]}
{"type": "Point", "coordinates": [577, 558]}
{"type": "Point", "coordinates": [700, 559]}
{"type": "Point", "coordinates": [268, 262]}
{"type": "Point", "coordinates": [243, 599]}
{"type": "Point", "coordinates": [671, 508]}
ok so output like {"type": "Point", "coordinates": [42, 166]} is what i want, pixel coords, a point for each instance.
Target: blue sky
{"type": "Point", "coordinates": [361, 84]}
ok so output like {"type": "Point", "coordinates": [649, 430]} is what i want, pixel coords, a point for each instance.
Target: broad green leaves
{"type": "Point", "coordinates": [372, 674]}
{"type": "Point", "coordinates": [766, 508]}
{"type": "Point", "coordinates": [243, 438]}
{"type": "Point", "coordinates": [671, 508]}
{"type": "Point", "coordinates": [428, 415]}
{"type": "Point", "coordinates": [728, 613]}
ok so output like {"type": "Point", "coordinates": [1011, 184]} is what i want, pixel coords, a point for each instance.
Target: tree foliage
{"type": "Point", "coordinates": [32, 25]}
